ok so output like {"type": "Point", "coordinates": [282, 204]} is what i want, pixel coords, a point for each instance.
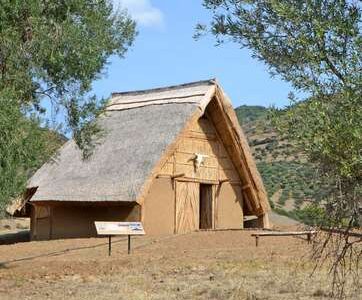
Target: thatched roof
{"type": "Point", "coordinates": [139, 129]}
{"type": "Point", "coordinates": [135, 138]}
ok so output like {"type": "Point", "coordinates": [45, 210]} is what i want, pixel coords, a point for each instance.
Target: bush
{"type": "Point", "coordinates": [312, 215]}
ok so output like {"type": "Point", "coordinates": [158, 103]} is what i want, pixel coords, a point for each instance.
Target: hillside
{"type": "Point", "coordinates": [289, 180]}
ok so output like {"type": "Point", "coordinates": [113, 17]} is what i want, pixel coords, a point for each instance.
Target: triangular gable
{"type": "Point", "coordinates": [218, 108]}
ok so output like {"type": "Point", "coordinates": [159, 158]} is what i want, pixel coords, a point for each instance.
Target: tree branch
{"type": "Point", "coordinates": [332, 67]}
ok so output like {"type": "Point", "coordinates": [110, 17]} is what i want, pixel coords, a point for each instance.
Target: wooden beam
{"type": "Point", "coordinates": [245, 187]}
{"type": "Point", "coordinates": [224, 180]}
{"type": "Point", "coordinates": [178, 175]}
{"type": "Point", "coordinates": [198, 180]}
{"type": "Point", "coordinates": [285, 233]}
{"type": "Point", "coordinates": [170, 176]}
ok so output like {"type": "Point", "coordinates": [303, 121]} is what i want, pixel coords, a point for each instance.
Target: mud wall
{"type": "Point", "coordinates": [229, 207]}
{"type": "Point", "coordinates": [159, 208]}
{"type": "Point", "coordinates": [76, 221]}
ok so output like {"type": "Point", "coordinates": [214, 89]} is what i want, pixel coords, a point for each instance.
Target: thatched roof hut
{"type": "Point", "coordinates": [154, 141]}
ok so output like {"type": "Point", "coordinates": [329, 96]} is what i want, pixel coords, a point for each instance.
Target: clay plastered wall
{"type": "Point", "coordinates": [40, 222]}
{"type": "Point", "coordinates": [159, 208]}
{"type": "Point", "coordinates": [78, 221]}
{"type": "Point", "coordinates": [229, 211]}
{"type": "Point", "coordinates": [203, 139]}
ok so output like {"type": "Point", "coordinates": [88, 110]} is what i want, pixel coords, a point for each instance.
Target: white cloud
{"type": "Point", "coordinates": [142, 12]}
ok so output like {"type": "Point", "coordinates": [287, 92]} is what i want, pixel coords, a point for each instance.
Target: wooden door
{"type": "Point", "coordinates": [187, 206]}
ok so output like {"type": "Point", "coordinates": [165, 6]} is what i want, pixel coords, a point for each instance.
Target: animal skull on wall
{"type": "Point", "coordinates": [199, 160]}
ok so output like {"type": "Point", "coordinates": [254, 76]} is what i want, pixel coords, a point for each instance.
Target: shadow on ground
{"type": "Point", "coordinates": [3, 264]}
{"type": "Point", "coordinates": [14, 237]}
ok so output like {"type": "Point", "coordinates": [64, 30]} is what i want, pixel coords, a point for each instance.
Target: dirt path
{"type": "Point", "coordinates": [202, 265]}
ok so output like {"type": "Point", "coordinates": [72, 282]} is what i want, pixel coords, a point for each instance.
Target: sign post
{"type": "Point", "coordinates": [109, 245]}
{"type": "Point", "coordinates": [129, 244]}
{"type": "Point", "coordinates": [119, 228]}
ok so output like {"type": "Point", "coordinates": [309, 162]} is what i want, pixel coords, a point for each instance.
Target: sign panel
{"type": "Point", "coordinates": [119, 228]}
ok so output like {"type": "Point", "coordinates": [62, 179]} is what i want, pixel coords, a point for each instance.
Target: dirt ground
{"type": "Point", "coordinates": [199, 265]}
{"type": "Point", "coordinates": [13, 224]}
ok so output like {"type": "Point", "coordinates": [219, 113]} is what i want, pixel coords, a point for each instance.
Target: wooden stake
{"type": "Point", "coordinates": [109, 245]}
{"type": "Point", "coordinates": [129, 244]}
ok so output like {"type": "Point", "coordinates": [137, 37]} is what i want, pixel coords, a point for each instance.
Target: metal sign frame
{"type": "Point", "coordinates": [119, 228]}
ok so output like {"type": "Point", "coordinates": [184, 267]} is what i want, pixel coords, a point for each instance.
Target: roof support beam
{"type": "Point", "coordinates": [177, 175]}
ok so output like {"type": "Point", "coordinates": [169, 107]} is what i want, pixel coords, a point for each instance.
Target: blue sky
{"type": "Point", "coordinates": [164, 53]}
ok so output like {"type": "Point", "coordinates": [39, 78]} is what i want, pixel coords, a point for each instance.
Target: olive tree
{"type": "Point", "coordinates": [316, 45]}
{"type": "Point", "coordinates": [50, 53]}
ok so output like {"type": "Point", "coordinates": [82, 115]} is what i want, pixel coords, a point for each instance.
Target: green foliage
{"type": "Point", "coordinates": [246, 113]}
{"type": "Point", "coordinates": [50, 53]}
{"type": "Point", "coordinates": [297, 181]}
{"type": "Point", "coordinates": [53, 50]}
{"type": "Point", "coordinates": [332, 140]}
{"type": "Point", "coordinates": [313, 215]}
{"type": "Point", "coordinates": [280, 170]}
{"type": "Point", "coordinates": [331, 135]}
{"type": "Point", "coordinates": [82, 118]}
{"type": "Point", "coordinates": [24, 147]}
{"type": "Point", "coordinates": [317, 47]}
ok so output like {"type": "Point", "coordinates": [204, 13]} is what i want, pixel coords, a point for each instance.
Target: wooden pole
{"type": "Point", "coordinates": [283, 233]}
{"type": "Point", "coordinates": [256, 241]}
{"type": "Point", "coordinates": [109, 245]}
{"type": "Point", "coordinates": [129, 244]}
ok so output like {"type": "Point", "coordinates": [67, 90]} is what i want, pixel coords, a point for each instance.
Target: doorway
{"type": "Point", "coordinates": [206, 206]}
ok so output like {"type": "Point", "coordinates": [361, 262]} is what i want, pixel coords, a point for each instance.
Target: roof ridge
{"type": "Point", "coordinates": [166, 88]}
{"type": "Point", "coordinates": [149, 101]}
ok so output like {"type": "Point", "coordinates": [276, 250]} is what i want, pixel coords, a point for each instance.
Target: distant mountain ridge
{"type": "Point", "coordinates": [290, 182]}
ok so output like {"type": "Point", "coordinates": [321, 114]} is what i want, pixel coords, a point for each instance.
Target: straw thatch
{"type": "Point", "coordinates": [140, 128]}
{"type": "Point", "coordinates": [133, 143]}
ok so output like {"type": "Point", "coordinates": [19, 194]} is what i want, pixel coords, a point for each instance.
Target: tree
{"type": "Point", "coordinates": [24, 146]}
{"type": "Point", "coordinates": [50, 53]}
{"type": "Point", "coordinates": [316, 45]}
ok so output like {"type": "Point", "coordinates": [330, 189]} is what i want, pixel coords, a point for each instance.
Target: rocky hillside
{"type": "Point", "coordinates": [289, 180]}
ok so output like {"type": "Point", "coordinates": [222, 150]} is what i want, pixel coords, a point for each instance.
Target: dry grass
{"type": "Point", "coordinates": [204, 265]}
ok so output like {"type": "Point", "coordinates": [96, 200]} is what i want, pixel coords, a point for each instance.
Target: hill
{"type": "Point", "coordinates": [290, 181]}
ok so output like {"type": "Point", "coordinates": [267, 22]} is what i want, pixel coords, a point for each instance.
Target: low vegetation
{"type": "Point", "coordinates": [291, 182]}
